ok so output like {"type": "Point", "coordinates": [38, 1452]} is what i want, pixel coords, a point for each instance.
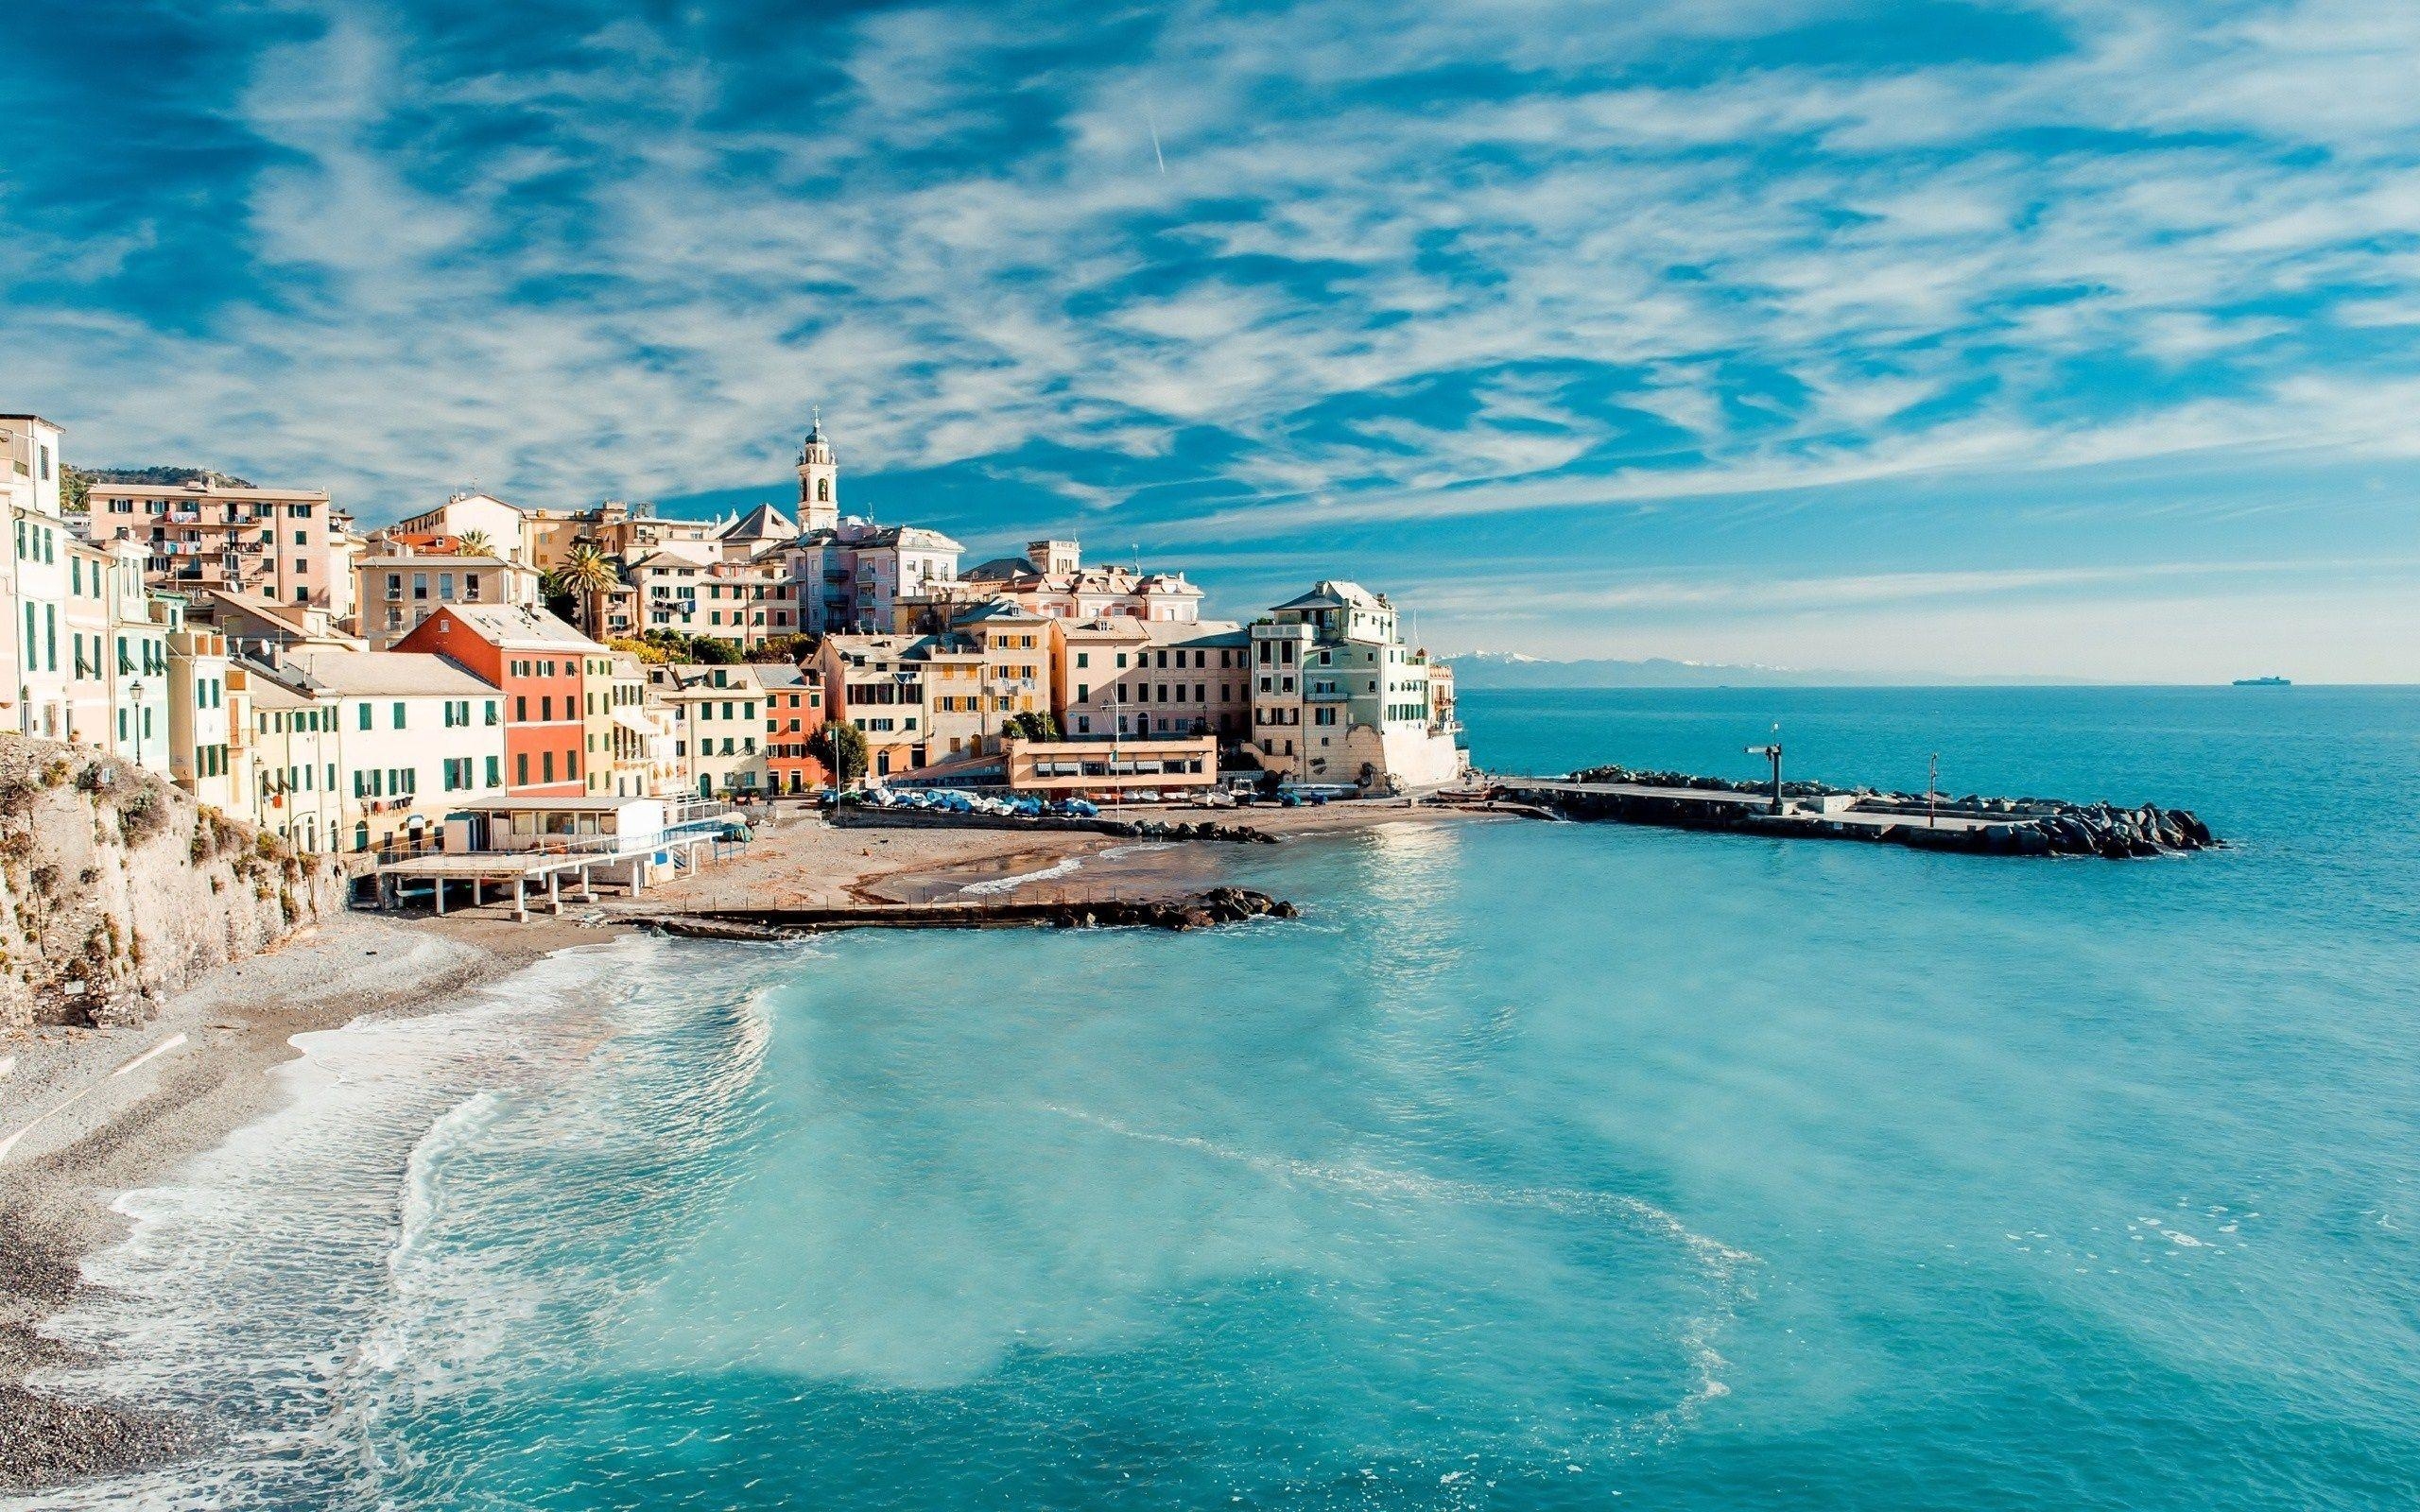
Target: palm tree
{"type": "Point", "coordinates": [586, 575]}
{"type": "Point", "coordinates": [477, 543]}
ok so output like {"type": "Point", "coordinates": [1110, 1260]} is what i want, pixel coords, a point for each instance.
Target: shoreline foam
{"type": "Point", "coordinates": [61, 1187]}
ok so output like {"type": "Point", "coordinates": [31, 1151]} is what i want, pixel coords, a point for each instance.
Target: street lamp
{"type": "Point", "coordinates": [135, 717]}
{"type": "Point", "coordinates": [1772, 754]}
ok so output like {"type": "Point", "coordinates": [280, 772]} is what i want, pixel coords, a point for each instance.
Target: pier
{"type": "Point", "coordinates": [2018, 826]}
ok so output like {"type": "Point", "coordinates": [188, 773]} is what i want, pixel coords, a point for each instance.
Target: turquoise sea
{"type": "Point", "coordinates": [1541, 1166]}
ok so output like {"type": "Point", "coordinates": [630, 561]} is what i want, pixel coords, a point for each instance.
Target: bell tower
{"type": "Point", "coordinates": [819, 481]}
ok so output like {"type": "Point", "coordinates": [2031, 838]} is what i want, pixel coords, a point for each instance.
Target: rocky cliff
{"type": "Point", "coordinates": [116, 889]}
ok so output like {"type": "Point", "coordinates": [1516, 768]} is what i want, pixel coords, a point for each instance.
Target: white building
{"type": "Point", "coordinates": [1338, 697]}
{"type": "Point", "coordinates": [416, 737]}
{"type": "Point", "coordinates": [199, 734]}
{"type": "Point", "coordinates": [718, 715]}
{"type": "Point", "coordinates": [35, 582]}
{"type": "Point", "coordinates": [848, 574]}
{"type": "Point", "coordinates": [505, 527]}
{"type": "Point", "coordinates": [297, 764]}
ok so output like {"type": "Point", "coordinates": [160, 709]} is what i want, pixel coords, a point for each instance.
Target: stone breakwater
{"type": "Point", "coordinates": [1973, 823]}
{"type": "Point", "coordinates": [856, 816]}
{"type": "Point", "coordinates": [1204, 910]}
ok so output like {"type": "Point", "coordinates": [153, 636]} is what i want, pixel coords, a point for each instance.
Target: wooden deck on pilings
{"type": "Point", "coordinates": [431, 875]}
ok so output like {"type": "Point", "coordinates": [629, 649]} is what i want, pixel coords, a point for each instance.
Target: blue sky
{"type": "Point", "coordinates": [2072, 338]}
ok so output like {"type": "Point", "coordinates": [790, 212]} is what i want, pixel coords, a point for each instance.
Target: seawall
{"type": "Point", "coordinates": [1972, 825]}
{"type": "Point", "coordinates": [1220, 905]}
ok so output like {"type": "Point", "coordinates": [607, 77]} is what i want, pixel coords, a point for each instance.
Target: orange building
{"type": "Point", "coordinates": [793, 715]}
{"type": "Point", "coordinates": [541, 665]}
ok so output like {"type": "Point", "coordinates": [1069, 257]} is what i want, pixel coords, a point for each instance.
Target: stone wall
{"type": "Point", "coordinates": [116, 889]}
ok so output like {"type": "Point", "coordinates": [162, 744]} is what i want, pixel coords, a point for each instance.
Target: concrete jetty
{"type": "Point", "coordinates": [2027, 827]}
{"type": "Point", "coordinates": [1204, 910]}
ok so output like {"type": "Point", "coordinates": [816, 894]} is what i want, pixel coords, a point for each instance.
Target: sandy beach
{"type": "Point", "coordinates": [799, 859]}
{"type": "Point", "coordinates": [87, 1114]}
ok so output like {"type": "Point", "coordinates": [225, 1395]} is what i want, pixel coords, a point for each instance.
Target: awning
{"type": "Point", "coordinates": [632, 719]}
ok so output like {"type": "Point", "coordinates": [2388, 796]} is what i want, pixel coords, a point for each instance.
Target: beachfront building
{"type": "Point", "coordinates": [275, 545]}
{"type": "Point", "coordinates": [793, 718]}
{"type": "Point", "coordinates": [1338, 697]}
{"type": "Point", "coordinates": [398, 584]}
{"type": "Point", "coordinates": [1095, 767]}
{"type": "Point", "coordinates": [623, 770]}
{"type": "Point", "coordinates": [1194, 679]}
{"type": "Point", "coordinates": [667, 761]}
{"type": "Point", "coordinates": [539, 664]}
{"type": "Point", "coordinates": [877, 682]}
{"type": "Point", "coordinates": [600, 683]}
{"type": "Point", "coordinates": [1121, 676]}
{"type": "Point", "coordinates": [720, 715]}
{"type": "Point", "coordinates": [413, 737]}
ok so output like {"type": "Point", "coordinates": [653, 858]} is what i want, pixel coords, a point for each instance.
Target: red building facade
{"type": "Point", "coordinates": [538, 663]}
{"type": "Point", "coordinates": [794, 714]}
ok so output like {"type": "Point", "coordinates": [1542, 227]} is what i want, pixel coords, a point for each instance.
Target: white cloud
{"type": "Point", "coordinates": [1858, 244]}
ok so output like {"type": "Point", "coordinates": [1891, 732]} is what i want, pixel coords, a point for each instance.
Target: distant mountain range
{"type": "Point", "coordinates": [1511, 669]}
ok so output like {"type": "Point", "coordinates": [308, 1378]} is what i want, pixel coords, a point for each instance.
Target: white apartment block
{"type": "Point", "coordinates": [1338, 697]}
{"type": "Point", "coordinates": [415, 737]}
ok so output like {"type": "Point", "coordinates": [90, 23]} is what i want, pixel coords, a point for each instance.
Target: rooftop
{"type": "Point", "coordinates": [513, 627]}
{"type": "Point", "coordinates": [375, 675]}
